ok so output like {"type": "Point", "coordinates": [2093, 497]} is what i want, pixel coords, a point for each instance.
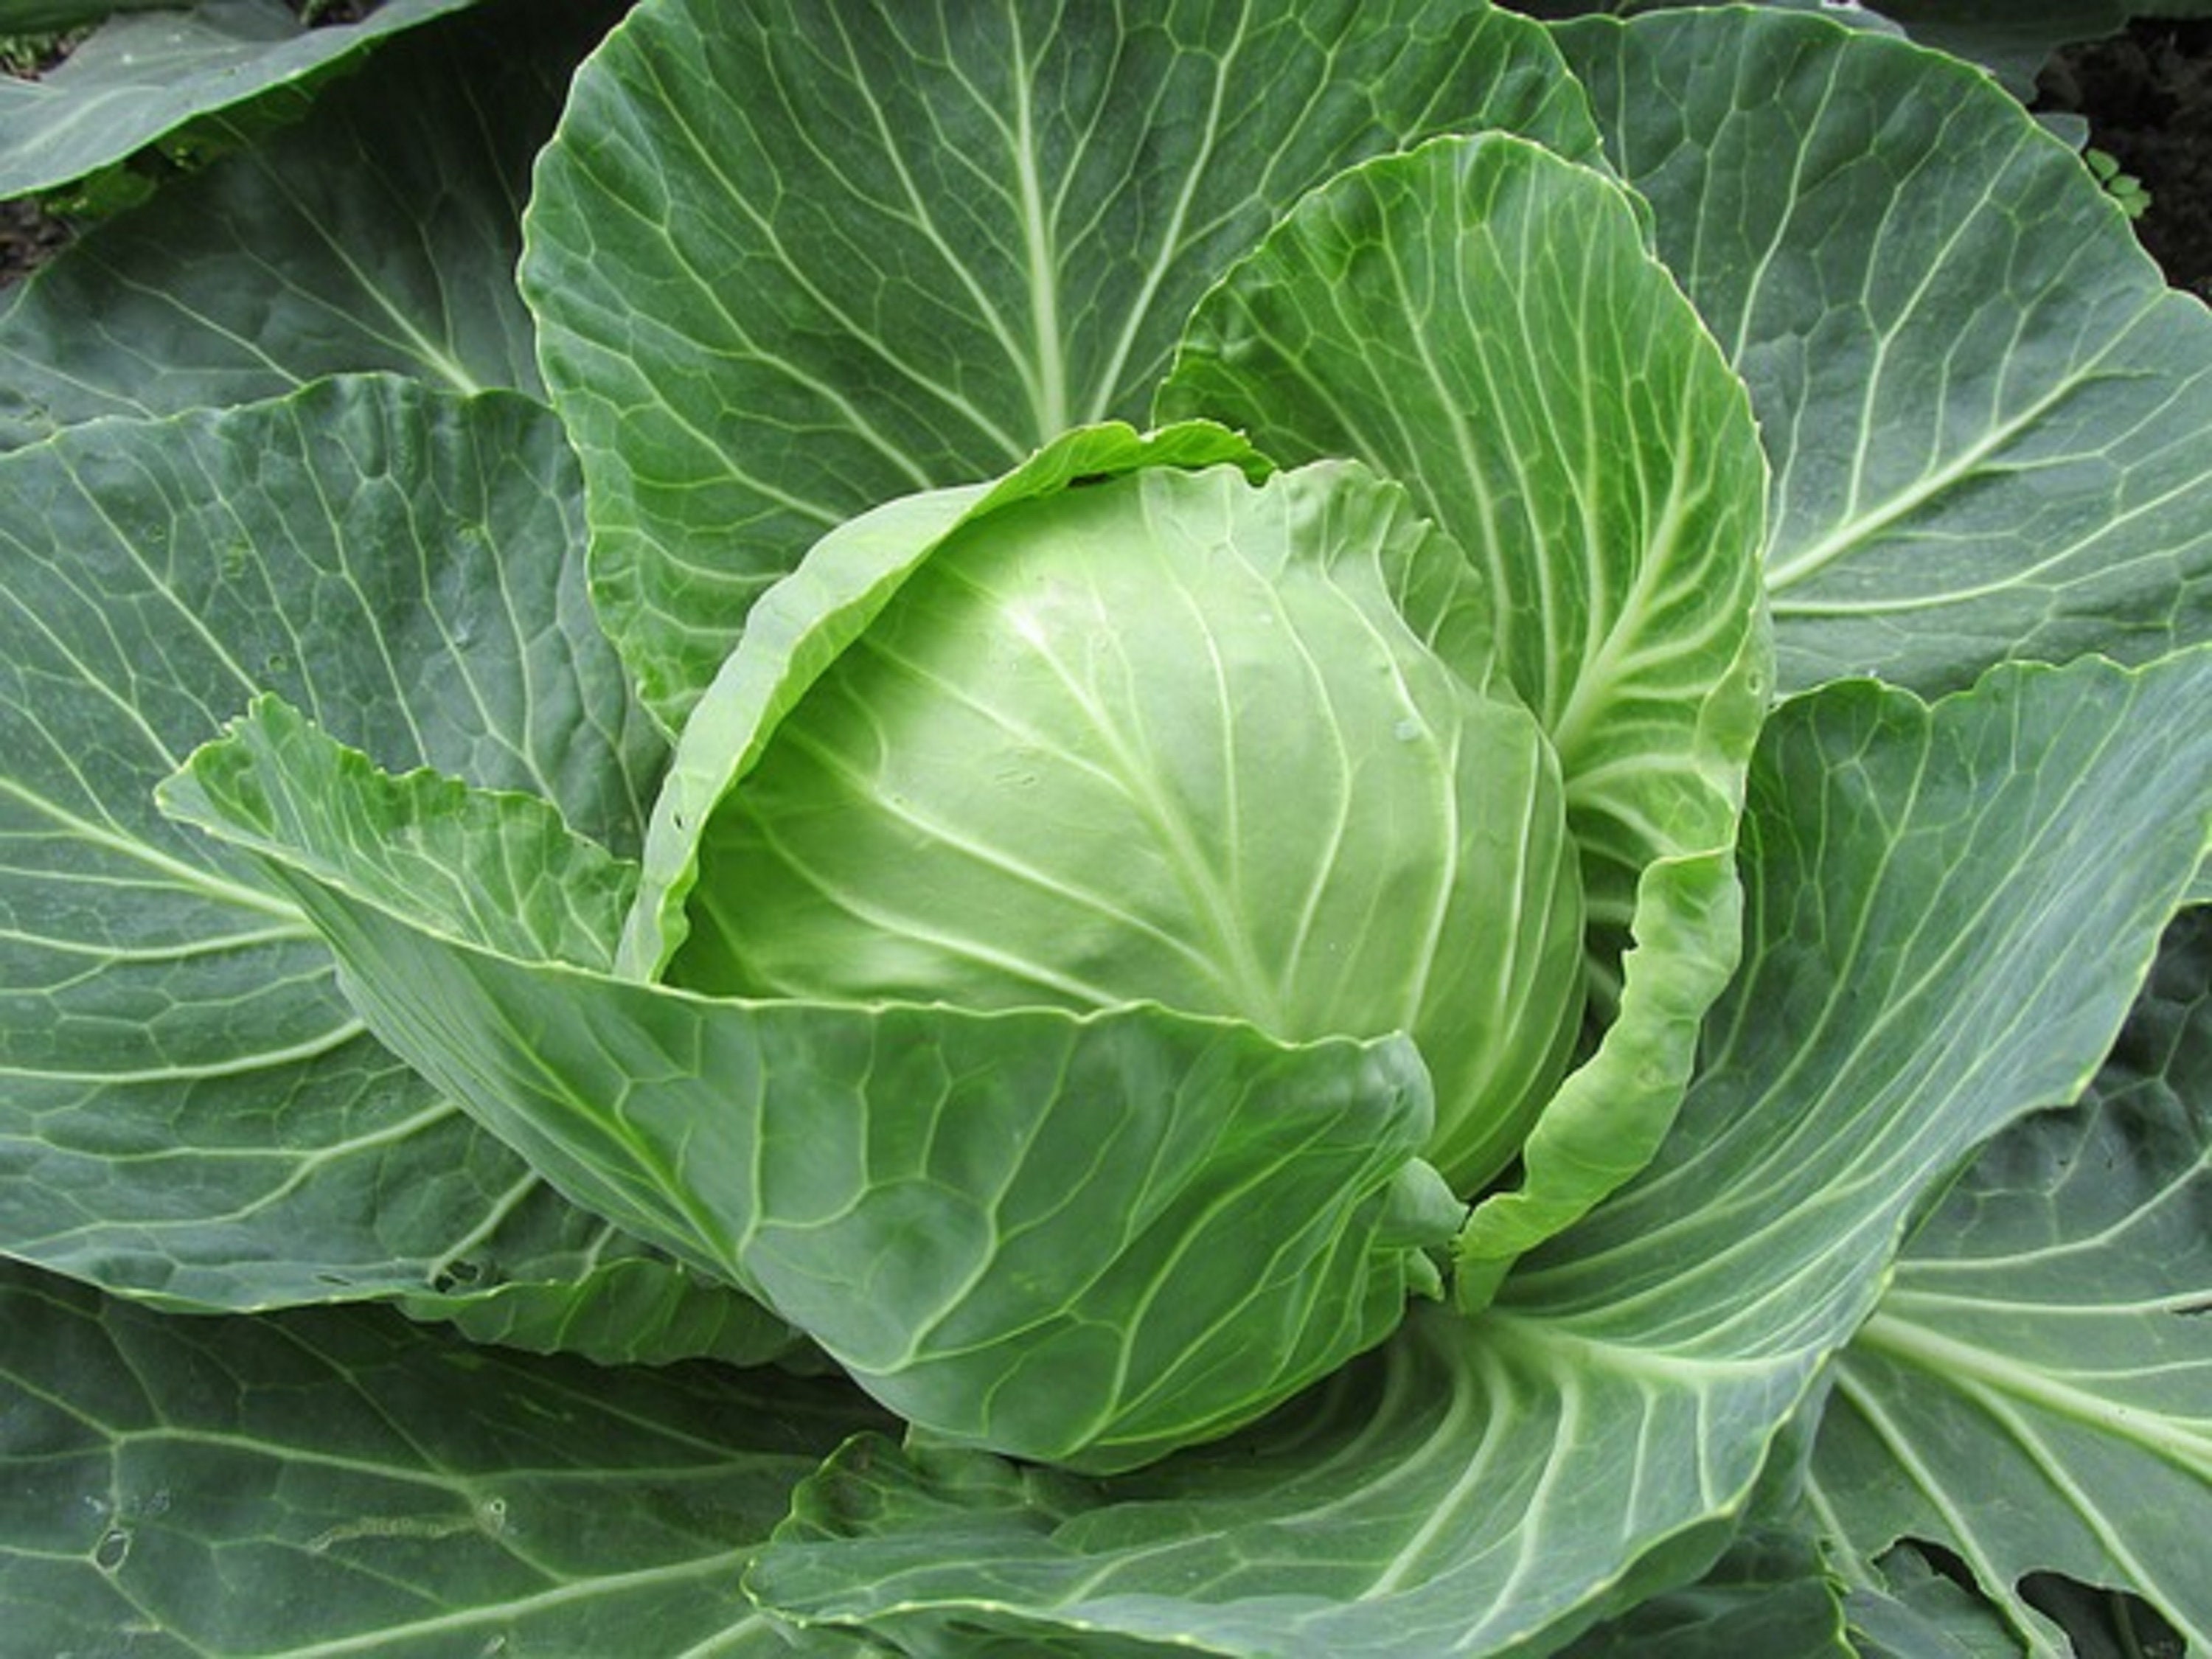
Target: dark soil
{"type": "Point", "coordinates": [28, 238]}
{"type": "Point", "coordinates": [2148, 95]}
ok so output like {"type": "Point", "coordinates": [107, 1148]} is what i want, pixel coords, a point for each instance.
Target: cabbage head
{"type": "Point", "coordinates": [1109, 935]}
{"type": "Point", "coordinates": [1233, 747]}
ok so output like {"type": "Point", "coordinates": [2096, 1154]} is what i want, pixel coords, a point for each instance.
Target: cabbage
{"type": "Point", "coordinates": [1248, 828]}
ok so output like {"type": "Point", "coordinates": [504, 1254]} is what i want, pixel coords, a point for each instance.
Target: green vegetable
{"type": "Point", "coordinates": [1275, 799]}
{"type": "Point", "coordinates": [1249, 829]}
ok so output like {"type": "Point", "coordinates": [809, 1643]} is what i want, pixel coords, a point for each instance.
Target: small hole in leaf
{"type": "Point", "coordinates": [456, 1276]}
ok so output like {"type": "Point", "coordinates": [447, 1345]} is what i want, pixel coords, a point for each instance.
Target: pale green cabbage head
{"type": "Point", "coordinates": [1168, 737]}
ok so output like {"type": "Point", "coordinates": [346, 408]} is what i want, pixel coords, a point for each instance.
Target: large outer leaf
{"type": "Point", "coordinates": [380, 233]}
{"type": "Point", "coordinates": [1949, 913]}
{"type": "Point", "coordinates": [2012, 38]}
{"type": "Point", "coordinates": [338, 1482]}
{"type": "Point", "coordinates": [1990, 422]}
{"type": "Point", "coordinates": [1085, 1239]}
{"type": "Point", "coordinates": [190, 1109]}
{"type": "Point", "coordinates": [792, 259]}
{"type": "Point", "coordinates": [2035, 1392]}
{"type": "Point", "coordinates": [1482, 321]}
{"type": "Point", "coordinates": [1903, 1609]}
{"type": "Point", "coordinates": [140, 77]}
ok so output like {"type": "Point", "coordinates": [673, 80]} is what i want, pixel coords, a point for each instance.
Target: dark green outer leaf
{"type": "Point", "coordinates": [1990, 421]}
{"type": "Point", "coordinates": [400, 562]}
{"type": "Point", "coordinates": [791, 260]}
{"type": "Point", "coordinates": [2035, 1392]}
{"type": "Point", "coordinates": [1905, 1609]}
{"type": "Point", "coordinates": [1770, 1595]}
{"type": "Point", "coordinates": [2013, 38]}
{"type": "Point", "coordinates": [139, 78]}
{"type": "Point", "coordinates": [1949, 915]}
{"type": "Point", "coordinates": [340, 1482]}
{"type": "Point", "coordinates": [380, 233]}
{"type": "Point", "coordinates": [189, 1109]}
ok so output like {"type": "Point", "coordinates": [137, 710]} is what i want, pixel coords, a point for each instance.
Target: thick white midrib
{"type": "Point", "coordinates": [1050, 391]}
{"type": "Point", "coordinates": [1969, 1364]}
{"type": "Point", "coordinates": [181, 950]}
{"type": "Point", "coordinates": [328, 1041]}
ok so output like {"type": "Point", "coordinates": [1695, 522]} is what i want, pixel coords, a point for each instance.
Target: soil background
{"type": "Point", "coordinates": [28, 239]}
{"type": "Point", "coordinates": [2148, 97]}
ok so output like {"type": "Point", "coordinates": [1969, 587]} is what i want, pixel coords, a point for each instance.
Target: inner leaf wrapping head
{"type": "Point", "coordinates": [1167, 738]}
